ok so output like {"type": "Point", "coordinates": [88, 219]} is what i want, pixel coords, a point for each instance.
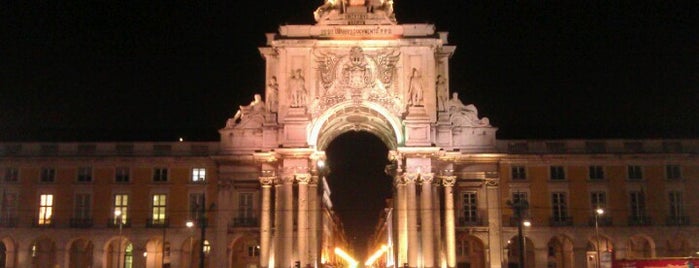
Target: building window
{"type": "Point", "coordinates": [198, 175]}
{"type": "Point", "coordinates": [121, 203]}
{"type": "Point", "coordinates": [470, 207]}
{"type": "Point", "coordinates": [519, 196]}
{"type": "Point", "coordinates": [84, 174]}
{"type": "Point", "coordinates": [159, 207]}
{"type": "Point", "coordinates": [82, 206]}
{"type": "Point", "coordinates": [160, 175]}
{"type": "Point", "coordinates": [196, 201]}
{"type": "Point", "coordinates": [519, 173]}
{"type": "Point", "coordinates": [253, 251]}
{"type": "Point", "coordinates": [11, 174]}
{"type": "Point", "coordinates": [245, 206]}
{"type": "Point", "coordinates": [598, 200]}
{"type": "Point", "coordinates": [559, 206]}
{"type": "Point", "coordinates": [122, 174]}
{"type": "Point", "coordinates": [635, 173]}
{"type": "Point", "coordinates": [557, 173]}
{"type": "Point", "coordinates": [638, 206]}
{"type": "Point", "coordinates": [672, 172]}
{"type": "Point", "coordinates": [9, 208]}
{"type": "Point", "coordinates": [48, 175]}
{"type": "Point", "coordinates": [596, 173]}
{"type": "Point", "coordinates": [676, 206]}
{"type": "Point", "coordinates": [45, 209]}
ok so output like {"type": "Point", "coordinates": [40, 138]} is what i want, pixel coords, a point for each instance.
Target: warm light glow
{"type": "Point", "coordinates": [599, 211]}
{"type": "Point", "coordinates": [181, 139]}
{"type": "Point", "coordinates": [527, 223]}
{"type": "Point", "coordinates": [352, 262]}
{"type": "Point", "coordinates": [145, 254]}
{"type": "Point", "coordinates": [117, 213]}
{"type": "Point", "coordinates": [189, 224]}
{"type": "Point", "coordinates": [321, 164]}
{"type": "Point", "coordinates": [376, 255]}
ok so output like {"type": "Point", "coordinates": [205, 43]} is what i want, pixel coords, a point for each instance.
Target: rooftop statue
{"type": "Point", "coordinates": [464, 115]}
{"type": "Point", "coordinates": [247, 112]}
{"type": "Point", "coordinates": [330, 8]}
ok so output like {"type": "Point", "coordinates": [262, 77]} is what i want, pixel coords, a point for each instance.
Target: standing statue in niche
{"type": "Point", "coordinates": [442, 93]}
{"type": "Point", "coordinates": [464, 115]}
{"type": "Point", "coordinates": [297, 86]}
{"type": "Point", "coordinates": [273, 95]}
{"type": "Point", "coordinates": [256, 107]}
{"type": "Point", "coordinates": [415, 89]}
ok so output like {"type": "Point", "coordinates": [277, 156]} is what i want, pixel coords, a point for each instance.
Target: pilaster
{"type": "Point", "coordinates": [449, 225]}
{"type": "Point", "coordinates": [426, 217]}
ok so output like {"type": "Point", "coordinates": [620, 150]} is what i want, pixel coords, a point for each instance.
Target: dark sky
{"type": "Point", "coordinates": [146, 70]}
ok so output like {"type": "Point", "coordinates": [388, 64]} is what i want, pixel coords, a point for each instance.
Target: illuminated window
{"type": "Point", "coordinates": [45, 209]}
{"type": "Point", "coordinates": [160, 175]}
{"type": "Point", "coordinates": [198, 175]}
{"type": "Point", "coordinates": [82, 206]}
{"type": "Point", "coordinates": [635, 173]}
{"type": "Point", "coordinates": [84, 174]}
{"type": "Point", "coordinates": [596, 173]}
{"type": "Point", "coordinates": [557, 173]}
{"type": "Point", "coordinates": [121, 203]}
{"type": "Point", "coordinates": [672, 172]}
{"type": "Point", "coordinates": [122, 174]}
{"type": "Point", "coordinates": [207, 247]}
{"type": "Point", "coordinates": [48, 175]}
{"type": "Point", "coordinates": [158, 208]}
{"type": "Point", "coordinates": [519, 173]}
{"type": "Point", "coordinates": [11, 174]}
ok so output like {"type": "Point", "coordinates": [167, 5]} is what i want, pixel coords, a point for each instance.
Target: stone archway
{"type": "Point", "coordinates": [245, 252]}
{"type": "Point", "coordinates": [80, 254]}
{"type": "Point", "coordinates": [560, 252]}
{"type": "Point", "coordinates": [470, 252]}
{"type": "Point", "coordinates": [43, 252]}
{"type": "Point", "coordinates": [640, 246]}
{"type": "Point", "coordinates": [513, 252]}
{"type": "Point", "coordinates": [7, 252]}
{"type": "Point", "coordinates": [605, 251]}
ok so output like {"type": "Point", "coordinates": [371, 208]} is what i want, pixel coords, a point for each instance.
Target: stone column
{"type": "Point", "coordinates": [265, 220]}
{"type": "Point", "coordinates": [288, 222]}
{"type": "Point", "coordinates": [492, 194]}
{"type": "Point", "coordinates": [413, 240]}
{"type": "Point", "coordinates": [303, 235]}
{"type": "Point", "coordinates": [450, 233]}
{"type": "Point", "coordinates": [437, 223]}
{"type": "Point", "coordinates": [314, 221]}
{"type": "Point", "coordinates": [402, 223]}
{"type": "Point", "coordinates": [426, 217]}
{"type": "Point", "coordinates": [278, 221]}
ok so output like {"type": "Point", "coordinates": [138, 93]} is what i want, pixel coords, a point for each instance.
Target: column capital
{"type": "Point", "coordinates": [398, 180]}
{"type": "Point", "coordinates": [448, 181]}
{"type": "Point", "coordinates": [267, 181]}
{"type": "Point", "coordinates": [410, 177]}
{"type": "Point", "coordinates": [303, 178]}
{"type": "Point", "coordinates": [287, 179]}
{"type": "Point", "coordinates": [426, 178]}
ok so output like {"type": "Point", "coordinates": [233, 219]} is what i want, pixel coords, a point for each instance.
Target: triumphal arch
{"type": "Point", "coordinates": [358, 69]}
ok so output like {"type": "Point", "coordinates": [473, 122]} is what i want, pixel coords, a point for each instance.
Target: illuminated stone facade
{"type": "Point", "coordinates": [262, 187]}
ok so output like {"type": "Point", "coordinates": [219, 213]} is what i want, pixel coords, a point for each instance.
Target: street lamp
{"type": "Point", "coordinates": [598, 213]}
{"type": "Point", "coordinates": [189, 225]}
{"type": "Point", "coordinates": [519, 206]}
{"type": "Point", "coordinates": [117, 216]}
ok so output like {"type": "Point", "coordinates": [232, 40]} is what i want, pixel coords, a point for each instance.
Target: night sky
{"type": "Point", "coordinates": [152, 71]}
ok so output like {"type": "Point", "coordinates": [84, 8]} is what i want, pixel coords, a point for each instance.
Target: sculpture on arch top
{"type": "Point", "coordinates": [255, 111]}
{"type": "Point", "coordinates": [464, 115]}
{"type": "Point", "coordinates": [335, 9]}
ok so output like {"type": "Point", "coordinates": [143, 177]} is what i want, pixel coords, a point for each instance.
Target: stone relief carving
{"type": "Point", "coordinates": [249, 116]}
{"type": "Point", "coordinates": [272, 94]}
{"type": "Point", "coordinates": [464, 115]}
{"type": "Point", "coordinates": [415, 88]}
{"type": "Point", "coordinates": [297, 88]}
{"type": "Point", "coordinates": [442, 93]}
{"type": "Point", "coordinates": [357, 77]}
